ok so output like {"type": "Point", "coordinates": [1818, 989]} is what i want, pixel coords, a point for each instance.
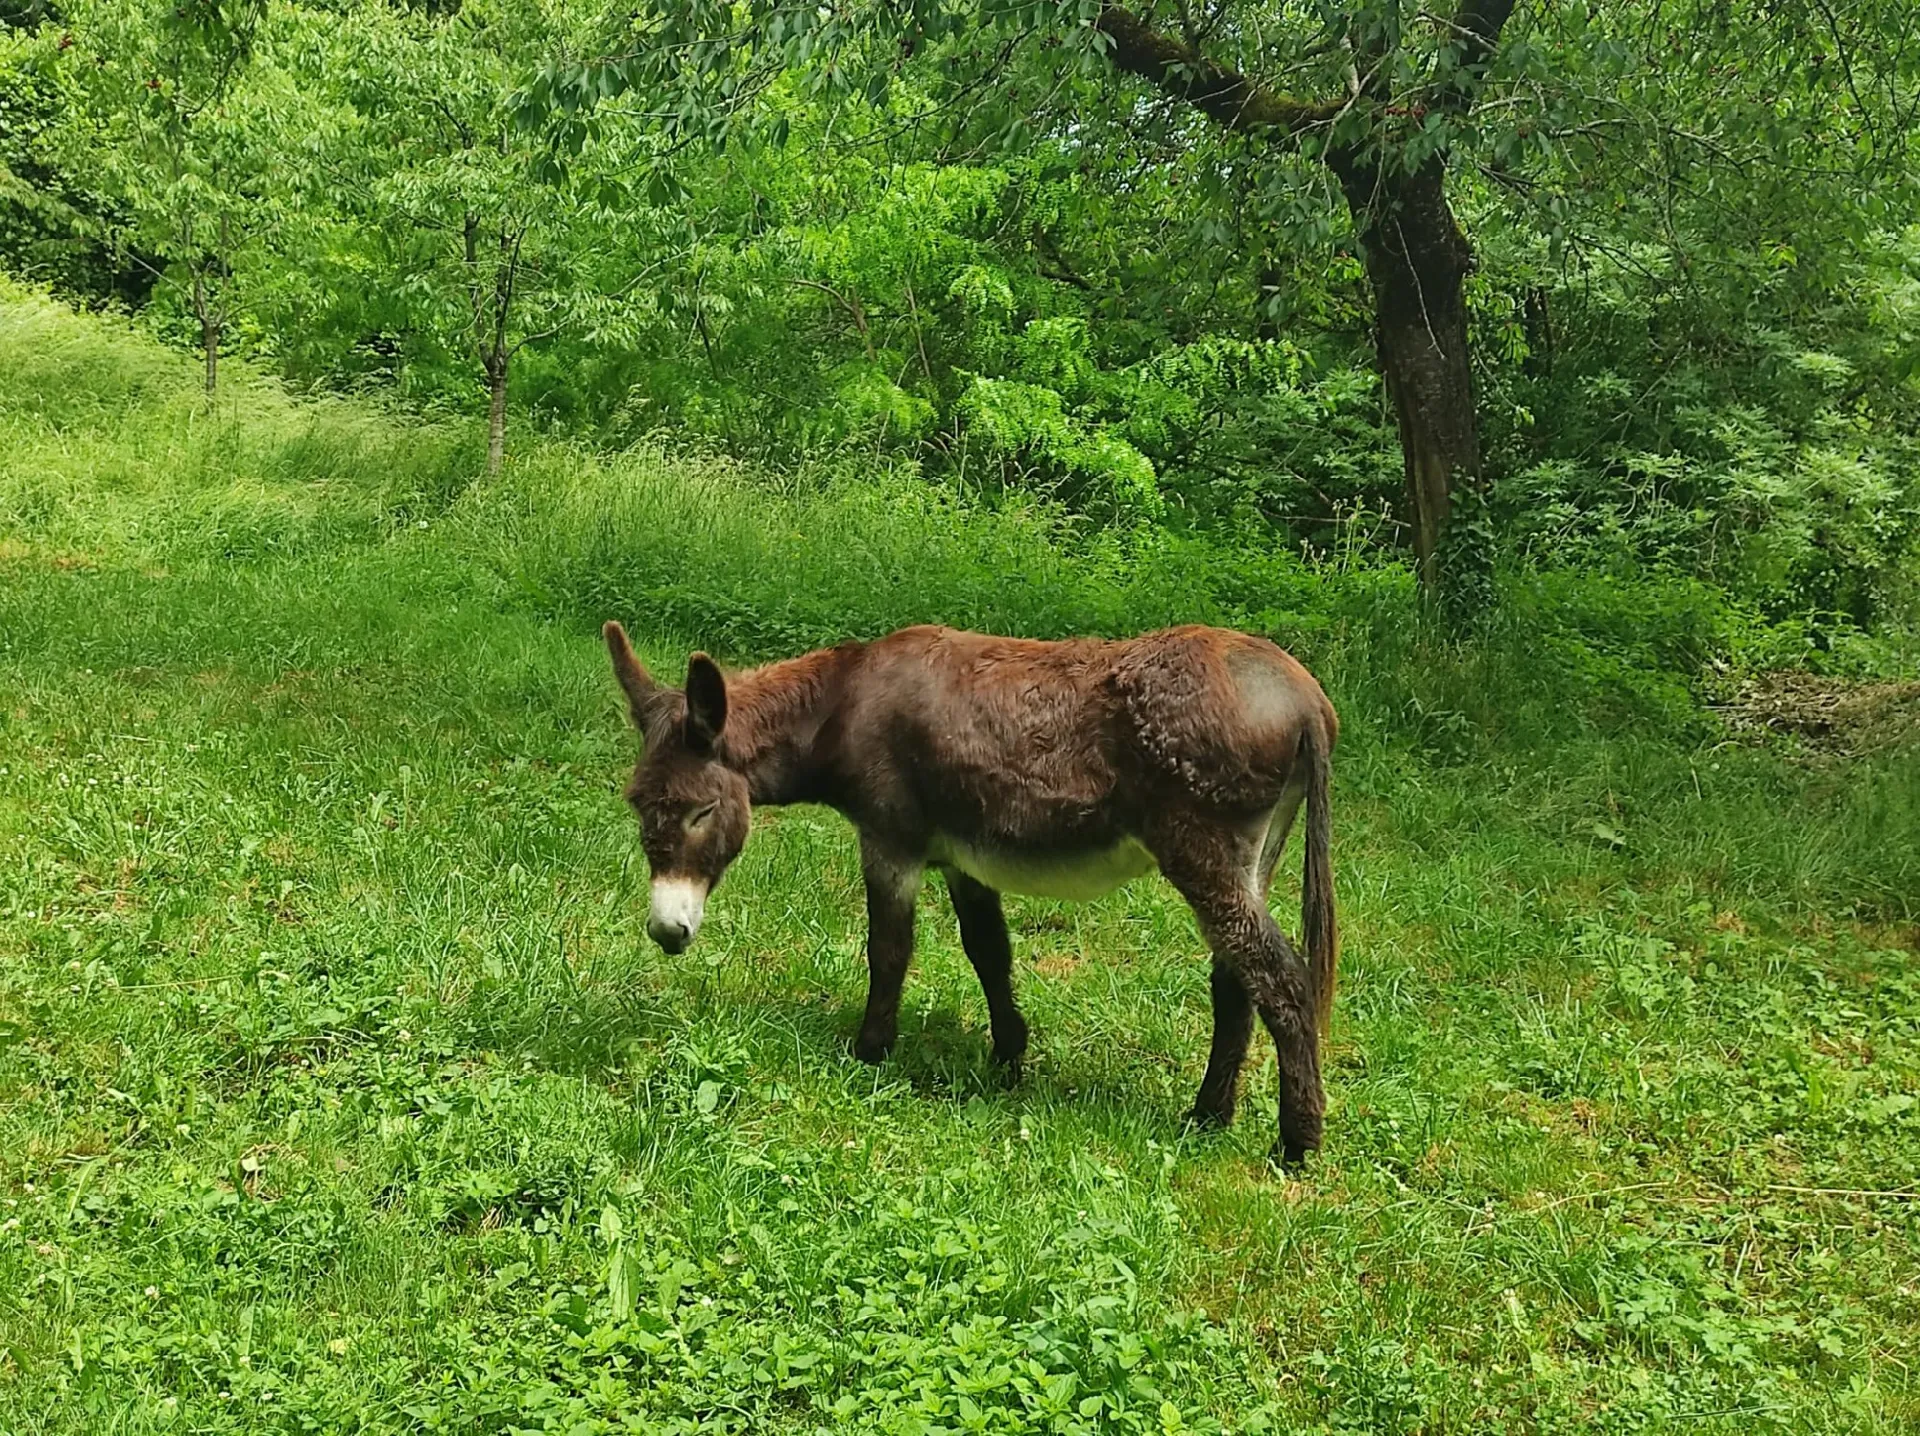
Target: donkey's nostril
{"type": "Point", "coordinates": [673, 936]}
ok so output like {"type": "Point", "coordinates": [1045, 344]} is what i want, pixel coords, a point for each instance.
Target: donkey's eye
{"type": "Point", "coordinates": [699, 816]}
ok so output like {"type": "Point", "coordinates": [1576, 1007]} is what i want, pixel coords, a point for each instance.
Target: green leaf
{"type": "Point", "coordinates": [622, 1271]}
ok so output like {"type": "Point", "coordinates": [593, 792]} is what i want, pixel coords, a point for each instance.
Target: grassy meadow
{"type": "Point", "coordinates": [340, 1090]}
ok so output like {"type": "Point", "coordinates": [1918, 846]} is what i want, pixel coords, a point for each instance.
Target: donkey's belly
{"type": "Point", "coordinates": [1075, 876]}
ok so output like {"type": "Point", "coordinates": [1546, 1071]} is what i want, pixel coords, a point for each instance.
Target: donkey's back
{"type": "Point", "coordinates": [1014, 730]}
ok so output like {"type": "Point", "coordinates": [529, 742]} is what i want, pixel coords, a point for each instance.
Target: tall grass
{"type": "Point", "coordinates": [108, 446]}
{"type": "Point", "coordinates": [718, 553]}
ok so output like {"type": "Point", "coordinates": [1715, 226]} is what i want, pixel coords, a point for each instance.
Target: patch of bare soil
{"type": "Point", "coordinates": [1837, 716]}
{"type": "Point", "coordinates": [12, 551]}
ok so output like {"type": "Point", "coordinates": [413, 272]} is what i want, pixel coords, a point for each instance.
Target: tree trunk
{"type": "Point", "coordinates": [496, 369]}
{"type": "Point", "coordinates": [210, 327]}
{"type": "Point", "coordinates": [1418, 261]}
{"type": "Point", "coordinates": [1537, 324]}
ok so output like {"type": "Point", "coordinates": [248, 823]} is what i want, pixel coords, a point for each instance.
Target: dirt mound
{"type": "Point", "coordinates": [1830, 715]}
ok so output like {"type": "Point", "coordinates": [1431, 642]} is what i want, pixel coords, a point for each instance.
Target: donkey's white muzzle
{"type": "Point", "coordinates": [673, 919]}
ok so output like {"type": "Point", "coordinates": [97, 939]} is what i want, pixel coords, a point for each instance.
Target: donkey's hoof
{"type": "Point", "coordinates": [871, 1050]}
{"type": "Point", "coordinates": [1010, 1054]}
{"type": "Point", "coordinates": [1209, 1119]}
{"type": "Point", "coordinates": [1010, 1041]}
{"type": "Point", "coordinates": [1288, 1159]}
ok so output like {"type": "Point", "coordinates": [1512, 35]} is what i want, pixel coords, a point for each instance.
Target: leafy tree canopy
{"type": "Point", "coordinates": [1496, 283]}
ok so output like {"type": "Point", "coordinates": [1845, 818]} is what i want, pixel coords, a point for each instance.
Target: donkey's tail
{"type": "Point", "coordinates": [1319, 931]}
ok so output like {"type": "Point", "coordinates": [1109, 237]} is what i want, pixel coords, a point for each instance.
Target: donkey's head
{"type": "Point", "coordinates": [693, 808]}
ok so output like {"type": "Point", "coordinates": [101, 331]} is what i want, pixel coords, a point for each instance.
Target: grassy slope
{"type": "Point", "coordinates": [339, 1089]}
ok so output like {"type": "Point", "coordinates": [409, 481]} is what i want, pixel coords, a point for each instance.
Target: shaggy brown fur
{"type": "Point", "coordinates": [1010, 764]}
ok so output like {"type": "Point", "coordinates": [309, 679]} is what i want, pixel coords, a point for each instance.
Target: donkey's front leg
{"type": "Point", "coordinates": [893, 883]}
{"type": "Point", "coordinates": [983, 933]}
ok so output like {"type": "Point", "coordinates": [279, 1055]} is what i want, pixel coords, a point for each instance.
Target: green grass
{"type": "Point", "coordinates": [340, 1090]}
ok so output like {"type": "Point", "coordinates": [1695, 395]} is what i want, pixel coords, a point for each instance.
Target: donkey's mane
{"type": "Point", "coordinates": [775, 711]}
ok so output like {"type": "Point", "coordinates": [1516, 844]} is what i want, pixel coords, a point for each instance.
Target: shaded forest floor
{"type": "Point", "coordinates": [340, 1089]}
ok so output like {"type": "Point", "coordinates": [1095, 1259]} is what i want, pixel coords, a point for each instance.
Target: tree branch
{"type": "Point", "coordinates": [1476, 27]}
{"type": "Point", "coordinates": [1225, 96]}
{"type": "Point", "coordinates": [855, 310]}
{"type": "Point", "coordinates": [1063, 271]}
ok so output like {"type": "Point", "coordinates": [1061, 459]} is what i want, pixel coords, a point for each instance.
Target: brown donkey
{"type": "Point", "coordinates": [1058, 769]}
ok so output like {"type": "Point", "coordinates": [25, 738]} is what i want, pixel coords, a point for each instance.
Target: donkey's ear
{"type": "Point", "coordinates": [706, 702]}
{"type": "Point", "coordinates": [642, 692]}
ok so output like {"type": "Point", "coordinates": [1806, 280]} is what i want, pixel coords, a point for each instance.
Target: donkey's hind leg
{"type": "Point", "coordinates": [1232, 1029]}
{"type": "Point", "coordinates": [1209, 868]}
{"type": "Point", "coordinates": [983, 933]}
{"type": "Point", "coordinates": [1232, 1009]}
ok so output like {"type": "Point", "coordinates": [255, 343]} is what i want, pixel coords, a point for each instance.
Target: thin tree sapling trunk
{"type": "Point", "coordinates": [496, 368]}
